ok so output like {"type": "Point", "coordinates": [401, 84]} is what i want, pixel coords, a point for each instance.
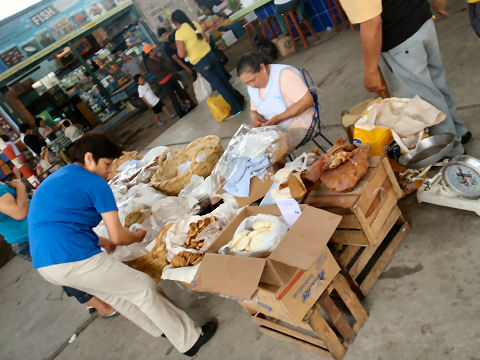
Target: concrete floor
{"type": "Point", "coordinates": [425, 306]}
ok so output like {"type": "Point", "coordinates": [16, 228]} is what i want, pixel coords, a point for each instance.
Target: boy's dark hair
{"type": "Point", "coordinates": [37, 121]}
{"type": "Point", "coordinates": [24, 127]}
{"type": "Point", "coordinates": [136, 77]}
{"type": "Point", "coordinates": [5, 138]}
{"type": "Point", "coordinates": [179, 17]}
{"type": "Point", "coordinates": [99, 144]}
{"type": "Point", "coordinates": [250, 62]}
{"type": "Point", "coordinates": [161, 31]}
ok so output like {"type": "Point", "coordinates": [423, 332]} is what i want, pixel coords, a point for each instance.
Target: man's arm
{"type": "Point", "coordinates": [116, 231]}
{"type": "Point", "coordinates": [146, 102]}
{"type": "Point", "coordinates": [371, 34]}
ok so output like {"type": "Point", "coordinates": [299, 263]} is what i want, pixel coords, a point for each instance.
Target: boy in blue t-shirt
{"type": "Point", "coordinates": [66, 251]}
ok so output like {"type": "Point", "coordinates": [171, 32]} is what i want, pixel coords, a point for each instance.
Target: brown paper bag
{"type": "Point", "coordinates": [284, 45]}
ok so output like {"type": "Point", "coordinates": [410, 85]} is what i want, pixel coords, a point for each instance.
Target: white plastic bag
{"type": "Point", "coordinates": [172, 208]}
{"type": "Point", "coordinates": [271, 238]}
{"type": "Point", "coordinates": [185, 274]}
{"type": "Point", "coordinates": [202, 88]}
{"type": "Point", "coordinates": [177, 234]}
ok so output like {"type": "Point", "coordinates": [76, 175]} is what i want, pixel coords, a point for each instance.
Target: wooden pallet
{"type": "Point", "coordinates": [369, 210]}
{"type": "Point", "coordinates": [364, 265]}
{"type": "Point", "coordinates": [327, 329]}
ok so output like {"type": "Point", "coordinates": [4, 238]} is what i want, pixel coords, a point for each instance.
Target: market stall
{"type": "Point", "coordinates": [281, 260]}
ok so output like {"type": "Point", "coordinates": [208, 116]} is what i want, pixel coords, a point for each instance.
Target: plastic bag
{"type": "Point", "coordinates": [267, 239]}
{"type": "Point", "coordinates": [248, 142]}
{"type": "Point", "coordinates": [219, 108]}
{"type": "Point", "coordinates": [172, 208]}
{"type": "Point", "coordinates": [177, 234]}
{"type": "Point", "coordinates": [395, 119]}
{"type": "Point", "coordinates": [185, 274]}
{"type": "Point", "coordinates": [202, 88]}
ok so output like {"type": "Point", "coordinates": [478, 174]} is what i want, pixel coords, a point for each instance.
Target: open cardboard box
{"type": "Point", "coordinates": [290, 280]}
{"type": "Point", "coordinates": [258, 189]}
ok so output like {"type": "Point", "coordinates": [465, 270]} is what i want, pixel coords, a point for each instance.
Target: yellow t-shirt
{"type": "Point", "coordinates": [359, 11]}
{"type": "Point", "coordinates": [472, 1]}
{"type": "Point", "coordinates": [196, 49]}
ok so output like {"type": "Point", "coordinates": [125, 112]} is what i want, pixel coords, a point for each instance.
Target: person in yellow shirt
{"type": "Point", "coordinates": [474, 12]}
{"type": "Point", "coordinates": [192, 43]}
{"type": "Point", "coordinates": [400, 38]}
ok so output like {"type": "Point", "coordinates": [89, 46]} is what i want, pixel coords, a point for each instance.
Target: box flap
{"type": "Point", "coordinates": [236, 276]}
{"type": "Point", "coordinates": [277, 273]}
{"type": "Point", "coordinates": [304, 242]}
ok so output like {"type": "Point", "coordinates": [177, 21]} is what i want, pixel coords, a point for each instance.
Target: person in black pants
{"type": "Point", "coordinates": [159, 66]}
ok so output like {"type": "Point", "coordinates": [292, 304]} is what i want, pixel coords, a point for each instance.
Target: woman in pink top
{"type": "Point", "coordinates": [278, 96]}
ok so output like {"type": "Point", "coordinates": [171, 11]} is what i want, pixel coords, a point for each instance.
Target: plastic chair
{"type": "Point", "coordinates": [315, 129]}
{"type": "Point", "coordinates": [292, 15]}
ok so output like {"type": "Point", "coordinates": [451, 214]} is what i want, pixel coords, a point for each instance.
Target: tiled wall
{"type": "Point", "coordinates": [317, 10]}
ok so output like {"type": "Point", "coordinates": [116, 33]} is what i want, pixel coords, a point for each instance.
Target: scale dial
{"type": "Point", "coordinates": [462, 175]}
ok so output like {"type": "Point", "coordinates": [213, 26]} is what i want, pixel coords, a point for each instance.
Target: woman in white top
{"type": "Point", "coordinates": [278, 96]}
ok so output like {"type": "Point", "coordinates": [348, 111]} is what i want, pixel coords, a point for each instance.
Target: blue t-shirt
{"type": "Point", "coordinates": [63, 212]}
{"type": "Point", "coordinates": [14, 231]}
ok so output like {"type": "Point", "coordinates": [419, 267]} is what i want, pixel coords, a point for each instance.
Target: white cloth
{"type": "Point", "coordinates": [146, 92]}
{"type": "Point", "coordinates": [281, 2]}
{"type": "Point", "coordinates": [133, 293]}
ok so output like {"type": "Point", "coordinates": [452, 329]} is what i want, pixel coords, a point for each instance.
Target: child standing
{"type": "Point", "coordinates": [146, 93]}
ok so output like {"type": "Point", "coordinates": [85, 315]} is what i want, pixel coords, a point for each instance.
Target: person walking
{"type": "Point", "coordinates": [157, 64]}
{"type": "Point", "coordinates": [192, 43]}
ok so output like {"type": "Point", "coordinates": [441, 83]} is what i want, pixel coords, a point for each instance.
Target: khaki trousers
{"type": "Point", "coordinates": [133, 293]}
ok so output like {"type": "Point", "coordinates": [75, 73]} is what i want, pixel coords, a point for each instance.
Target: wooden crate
{"type": "Point", "coordinates": [364, 265]}
{"type": "Point", "coordinates": [329, 327]}
{"type": "Point", "coordinates": [369, 210]}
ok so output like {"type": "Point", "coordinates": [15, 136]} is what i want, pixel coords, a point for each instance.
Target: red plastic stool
{"type": "Point", "coordinates": [292, 14]}
{"type": "Point", "coordinates": [270, 25]}
{"type": "Point", "coordinates": [340, 15]}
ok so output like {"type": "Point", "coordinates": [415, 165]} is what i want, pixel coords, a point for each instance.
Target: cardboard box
{"type": "Point", "coordinates": [284, 45]}
{"type": "Point", "coordinates": [258, 189]}
{"type": "Point", "coordinates": [287, 283]}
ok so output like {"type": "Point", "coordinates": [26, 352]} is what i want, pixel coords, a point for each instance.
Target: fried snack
{"type": "Point", "coordinates": [137, 216]}
{"type": "Point", "coordinates": [296, 186]}
{"type": "Point", "coordinates": [186, 258]}
{"type": "Point", "coordinates": [344, 177]}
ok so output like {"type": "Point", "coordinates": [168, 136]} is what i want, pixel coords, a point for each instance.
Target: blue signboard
{"type": "Point", "coordinates": [40, 30]}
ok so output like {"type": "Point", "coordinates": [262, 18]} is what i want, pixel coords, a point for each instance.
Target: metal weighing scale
{"type": "Point", "coordinates": [456, 185]}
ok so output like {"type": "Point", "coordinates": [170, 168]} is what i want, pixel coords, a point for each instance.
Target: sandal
{"type": "Point", "coordinates": [112, 315]}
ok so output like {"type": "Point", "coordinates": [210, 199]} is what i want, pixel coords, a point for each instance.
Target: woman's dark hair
{"type": "Point", "coordinates": [99, 144]}
{"type": "Point", "coordinates": [161, 31]}
{"type": "Point", "coordinates": [179, 17]}
{"type": "Point", "coordinates": [24, 128]}
{"type": "Point", "coordinates": [250, 62]}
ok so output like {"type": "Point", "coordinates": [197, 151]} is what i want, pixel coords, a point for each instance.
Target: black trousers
{"type": "Point", "coordinates": [173, 90]}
